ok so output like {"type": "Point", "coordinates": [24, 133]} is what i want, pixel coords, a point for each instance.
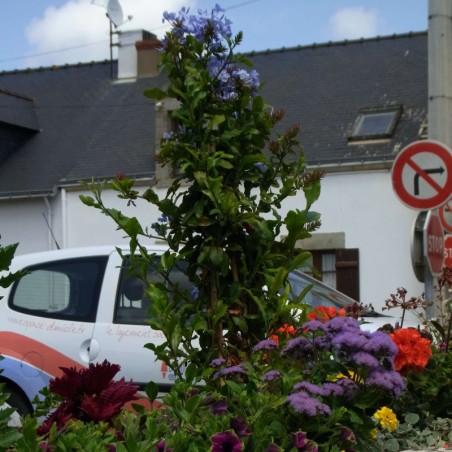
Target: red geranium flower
{"type": "Point", "coordinates": [325, 313]}
{"type": "Point", "coordinates": [414, 350]}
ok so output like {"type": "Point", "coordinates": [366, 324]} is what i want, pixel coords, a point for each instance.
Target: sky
{"type": "Point", "coordinates": [36, 33]}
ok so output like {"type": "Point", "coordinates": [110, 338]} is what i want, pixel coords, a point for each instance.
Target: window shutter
{"type": "Point", "coordinates": [347, 272]}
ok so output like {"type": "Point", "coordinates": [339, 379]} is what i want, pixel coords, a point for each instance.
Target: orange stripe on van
{"type": "Point", "coordinates": [19, 346]}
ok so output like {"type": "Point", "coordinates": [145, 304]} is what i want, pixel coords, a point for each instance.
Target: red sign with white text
{"type": "Point", "coordinates": [434, 243]}
{"type": "Point", "coordinates": [448, 251]}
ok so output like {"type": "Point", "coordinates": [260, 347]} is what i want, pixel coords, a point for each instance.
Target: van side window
{"type": "Point", "coordinates": [67, 290]}
{"type": "Point", "coordinates": [132, 305]}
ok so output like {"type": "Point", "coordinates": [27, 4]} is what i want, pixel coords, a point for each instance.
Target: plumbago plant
{"type": "Point", "coordinates": [221, 214]}
{"type": "Point", "coordinates": [254, 371]}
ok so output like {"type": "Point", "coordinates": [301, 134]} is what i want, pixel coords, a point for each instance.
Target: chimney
{"type": "Point", "coordinates": [138, 54]}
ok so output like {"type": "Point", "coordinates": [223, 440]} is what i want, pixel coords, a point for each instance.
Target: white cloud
{"type": "Point", "coordinates": [354, 23]}
{"type": "Point", "coordinates": [82, 28]}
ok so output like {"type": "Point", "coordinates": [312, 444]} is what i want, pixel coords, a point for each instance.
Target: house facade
{"type": "Point", "coordinates": [359, 103]}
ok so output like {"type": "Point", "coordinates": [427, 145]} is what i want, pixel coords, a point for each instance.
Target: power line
{"type": "Point", "coordinates": [54, 51]}
{"type": "Point", "coordinates": [65, 49]}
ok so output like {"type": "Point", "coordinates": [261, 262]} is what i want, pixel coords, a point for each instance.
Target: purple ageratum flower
{"type": "Point", "coordinates": [266, 344]}
{"type": "Point", "coordinates": [220, 407]}
{"type": "Point", "coordinates": [348, 386]}
{"type": "Point", "coordinates": [229, 371]}
{"type": "Point", "coordinates": [349, 341]}
{"type": "Point", "coordinates": [365, 359]}
{"type": "Point", "coordinates": [322, 343]}
{"type": "Point", "coordinates": [303, 403]}
{"type": "Point", "coordinates": [299, 440]}
{"type": "Point", "coordinates": [332, 389]}
{"type": "Point", "coordinates": [381, 345]}
{"type": "Point", "coordinates": [342, 324]}
{"type": "Point", "coordinates": [217, 362]}
{"type": "Point", "coordinates": [298, 347]}
{"type": "Point", "coordinates": [311, 388]}
{"type": "Point", "coordinates": [313, 325]}
{"type": "Point", "coordinates": [239, 426]}
{"type": "Point", "coordinates": [388, 380]}
{"type": "Point", "coordinates": [226, 442]}
{"type": "Point", "coordinates": [272, 375]}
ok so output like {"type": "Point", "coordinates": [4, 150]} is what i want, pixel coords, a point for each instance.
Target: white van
{"type": "Point", "coordinates": [76, 307]}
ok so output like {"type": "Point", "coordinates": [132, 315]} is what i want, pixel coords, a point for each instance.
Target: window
{"type": "Point", "coordinates": [375, 124]}
{"type": "Point", "coordinates": [67, 290]}
{"type": "Point", "coordinates": [132, 304]}
{"type": "Point", "coordinates": [338, 269]}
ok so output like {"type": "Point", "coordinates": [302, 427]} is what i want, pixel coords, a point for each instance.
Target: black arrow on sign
{"type": "Point", "coordinates": [439, 170]}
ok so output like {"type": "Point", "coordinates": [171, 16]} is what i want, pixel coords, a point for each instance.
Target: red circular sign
{"type": "Point", "coordinates": [448, 251]}
{"type": "Point", "coordinates": [445, 215]}
{"type": "Point", "coordinates": [434, 244]}
{"type": "Point", "coordinates": [422, 174]}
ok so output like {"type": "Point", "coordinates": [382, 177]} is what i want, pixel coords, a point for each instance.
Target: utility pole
{"type": "Point", "coordinates": [439, 91]}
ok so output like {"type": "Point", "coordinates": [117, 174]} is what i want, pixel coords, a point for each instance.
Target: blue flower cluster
{"type": "Point", "coordinates": [214, 31]}
{"type": "Point", "coordinates": [204, 27]}
{"type": "Point", "coordinates": [231, 79]}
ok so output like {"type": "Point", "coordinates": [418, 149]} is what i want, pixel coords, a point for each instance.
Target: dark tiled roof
{"type": "Point", "coordinates": [323, 87]}
{"type": "Point", "coordinates": [17, 110]}
{"type": "Point", "coordinates": [92, 126]}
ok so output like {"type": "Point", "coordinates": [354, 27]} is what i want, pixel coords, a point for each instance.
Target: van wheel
{"type": "Point", "coordinates": [18, 400]}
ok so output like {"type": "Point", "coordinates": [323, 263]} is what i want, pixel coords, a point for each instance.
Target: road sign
{"type": "Point", "coordinates": [448, 251]}
{"type": "Point", "coordinates": [422, 174]}
{"type": "Point", "coordinates": [445, 215]}
{"type": "Point", "coordinates": [434, 243]}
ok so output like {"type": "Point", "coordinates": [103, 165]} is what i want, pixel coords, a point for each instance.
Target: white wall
{"type": "Point", "coordinates": [361, 205]}
{"type": "Point", "coordinates": [87, 226]}
{"type": "Point", "coordinates": [364, 206]}
{"type": "Point", "coordinates": [22, 221]}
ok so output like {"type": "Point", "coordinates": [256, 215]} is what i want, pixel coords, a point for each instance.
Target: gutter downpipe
{"type": "Point", "coordinates": [49, 221]}
{"type": "Point", "coordinates": [64, 217]}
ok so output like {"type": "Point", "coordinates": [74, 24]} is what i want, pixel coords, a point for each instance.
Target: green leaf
{"type": "Point", "coordinates": [151, 390]}
{"type": "Point", "coordinates": [88, 200]}
{"type": "Point", "coordinates": [155, 93]}
{"type": "Point", "coordinates": [412, 418]}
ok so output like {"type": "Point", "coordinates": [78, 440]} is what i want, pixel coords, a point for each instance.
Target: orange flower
{"type": "Point", "coordinates": [414, 350]}
{"type": "Point", "coordinates": [325, 313]}
{"type": "Point", "coordinates": [288, 329]}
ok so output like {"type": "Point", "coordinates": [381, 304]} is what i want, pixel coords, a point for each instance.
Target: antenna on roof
{"type": "Point", "coordinates": [114, 13]}
{"type": "Point", "coordinates": [116, 18]}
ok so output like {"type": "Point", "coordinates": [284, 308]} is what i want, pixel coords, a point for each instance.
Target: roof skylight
{"type": "Point", "coordinates": [375, 124]}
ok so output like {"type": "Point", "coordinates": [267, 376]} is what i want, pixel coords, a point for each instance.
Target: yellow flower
{"type": "Point", "coordinates": [386, 418]}
{"type": "Point", "coordinates": [374, 433]}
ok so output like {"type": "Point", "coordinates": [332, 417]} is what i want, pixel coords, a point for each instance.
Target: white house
{"type": "Point", "coordinates": [358, 103]}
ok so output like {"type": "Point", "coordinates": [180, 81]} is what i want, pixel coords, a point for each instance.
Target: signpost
{"type": "Point", "coordinates": [422, 175]}
{"type": "Point", "coordinates": [434, 243]}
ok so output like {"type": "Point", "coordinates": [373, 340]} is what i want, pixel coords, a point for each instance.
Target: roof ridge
{"type": "Point", "coordinates": [57, 67]}
{"type": "Point", "coordinates": [315, 45]}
